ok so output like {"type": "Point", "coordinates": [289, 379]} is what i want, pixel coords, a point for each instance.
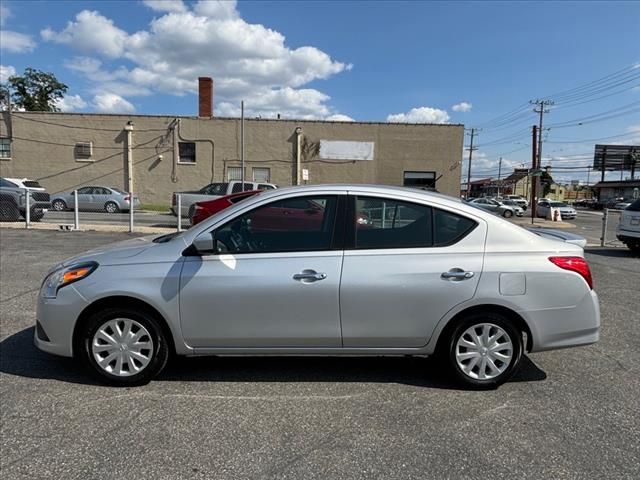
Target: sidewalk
{"type": "Point", "coordinates": [90, 228]}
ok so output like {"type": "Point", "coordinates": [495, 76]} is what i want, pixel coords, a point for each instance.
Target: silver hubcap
{"type": "Point", "coordinates": [484, 351]}
{"type": "Point", "coordinates": [111, 208]}
{"type": "Point", "coordinates": [58, 206]}
{"type": "Point", "coordinates": [122, 347]}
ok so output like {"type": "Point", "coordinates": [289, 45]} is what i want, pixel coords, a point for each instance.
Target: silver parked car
{"type": "Point", "coordinates": [107, 199]}
{"type": "Point", "coordinates": [497, 207]}
{"type": "Point", "coordinates": [435, 277]}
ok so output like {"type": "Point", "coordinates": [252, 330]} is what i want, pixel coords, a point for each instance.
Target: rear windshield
{"type": "Point", "coordinates": [32, 184]}
{"type": "Point", "coordinates": [117, 190]}
{"type": "Point", "coordinates": [558, 204]}
{"type": "Point", "coordinates": [635, 206]}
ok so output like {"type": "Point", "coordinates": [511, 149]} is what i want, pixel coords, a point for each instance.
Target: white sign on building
{"type": "Point", "coordinates": [343, 150]}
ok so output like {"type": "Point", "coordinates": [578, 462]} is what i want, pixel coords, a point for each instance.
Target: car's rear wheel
{"type": "Point", "coordinates": [507, 214]}
{"type": "Point", "coordinates": [484, 350]}
{"type": "Point", "coordinates": [124, 346]}
{"type": "Point", "coordinates": [111, 207]}
{"type": "Point", "coordinates": [59, 205]}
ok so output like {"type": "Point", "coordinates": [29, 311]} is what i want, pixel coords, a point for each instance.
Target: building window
{"type": "Point", "coordinates": [187, 152]}
{"type": "Point", "coordinates": [234, 173]}
{"type": "Point", "coordinates": [83, 151]}
{"type": "Point", "coordinates": [5, 148]}
{"type": "Point", "coordinates": [420, 179]}
{"type": "Point", "coordinates": [261, 174]}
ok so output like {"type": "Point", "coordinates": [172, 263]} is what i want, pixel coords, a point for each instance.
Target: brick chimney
{"type": "Point", "coordinates": [205, 97]}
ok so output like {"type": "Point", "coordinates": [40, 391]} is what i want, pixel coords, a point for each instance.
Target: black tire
{"type": "Point", "coordinates": [468, 380]}
{"type": "Point", "coordinates": [634, 247]}
{"type": "Point", "coordinates": [507, 214]}
{"type": "Point", "coordinates": [9, 211]}
{"type": "Point", "coordinates": [59, 205]}
{"type": "Point", "coordinates": [36, 216]}
{"type": "Point", "coordinates": [160, 349]}
{"type": "Point", "coordinates": [111, 207]}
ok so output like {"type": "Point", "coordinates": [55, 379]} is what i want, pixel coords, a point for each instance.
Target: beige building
{"type": "Point", "coordinates": [168, 153]}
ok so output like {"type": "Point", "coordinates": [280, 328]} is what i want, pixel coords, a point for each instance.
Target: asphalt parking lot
{"type": "Point", "coordinates": [567, 414]}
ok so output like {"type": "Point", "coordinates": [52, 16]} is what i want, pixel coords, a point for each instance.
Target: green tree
{"type": "Point", "coordinates": [36, 91]}
{"type": "Point", "coordinates": [546, 181]}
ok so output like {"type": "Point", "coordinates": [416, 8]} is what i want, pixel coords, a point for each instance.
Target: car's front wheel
{"type": "Point", "coordinates": [507, 214]}
{"type": "Point", "coordinates": [484, 350]}
{"type": "Point", "coordinates": [59, 205]}
{"type": "Point", "coordinates": [634, 246]}
{"type": "Point", "coordinates": [124, 346]}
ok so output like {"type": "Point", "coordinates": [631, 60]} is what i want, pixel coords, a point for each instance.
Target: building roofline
{"type": "Point", "coordinates": [251, 119]}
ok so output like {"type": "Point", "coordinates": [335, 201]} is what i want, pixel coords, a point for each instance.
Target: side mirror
{"type": "Point", "coordinates": [204, 243]}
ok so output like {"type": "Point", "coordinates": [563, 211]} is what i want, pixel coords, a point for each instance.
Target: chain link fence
{"type": "Point", "coordinates": [610, 221]}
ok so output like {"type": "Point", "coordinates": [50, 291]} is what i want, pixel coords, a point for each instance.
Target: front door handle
{"type": "Point", "coordinates": [456, 274]}
{"type": "Point", "coordinates": [309, 276]}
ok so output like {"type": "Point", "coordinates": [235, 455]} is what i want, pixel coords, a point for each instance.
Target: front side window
{"type": "Point", "coordinates": [85, 191]}
{"type": "Point", "coordinates": [384, 223]}
{"type": "Point", "coordinates": [187, 152]}
{"type": "Point", "coordinates": [281, 227]}
{"type": "Point", "coordinates": [7, 184]}
{"type": "Point", "coordinates": [5, 148]}
{"type": "Point", "coordinates": [215, 189]}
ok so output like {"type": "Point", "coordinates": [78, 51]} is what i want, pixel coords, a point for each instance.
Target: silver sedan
{"type": "Point", "coordinates": [103, 199]}
{"type": "Point", "coordinates": [294, 272]}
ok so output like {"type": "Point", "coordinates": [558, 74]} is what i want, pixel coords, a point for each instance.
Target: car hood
{"type": "Point", "coordinates": [113, 253]}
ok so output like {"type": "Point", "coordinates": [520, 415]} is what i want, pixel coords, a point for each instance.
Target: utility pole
{"type": "Point", "coordinates": [499, 173]}
{"type": "Point", "coordinates": [242, 141]}
{"type": "Point", "coordinates": [534, 161]}
{"type": "Point", "coordinates": [471, 149]}
{"type": "Point", "coordinates": [541, 110]}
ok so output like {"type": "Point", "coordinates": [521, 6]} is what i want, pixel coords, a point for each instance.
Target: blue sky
{"type": "Point", "coordinates": [457, 62]}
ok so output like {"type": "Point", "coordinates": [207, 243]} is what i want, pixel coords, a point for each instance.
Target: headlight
{"type": "Point", "coordinates": [64, 276]}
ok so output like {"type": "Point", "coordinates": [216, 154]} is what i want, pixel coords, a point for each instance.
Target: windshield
{"type": "Point", "coordinates": [558, 204]}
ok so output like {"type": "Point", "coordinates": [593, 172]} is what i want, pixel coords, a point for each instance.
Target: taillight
{"type": "Point", "coordinates": [575, 264]}
{"type": "Point", "coordinates": [127, 198]}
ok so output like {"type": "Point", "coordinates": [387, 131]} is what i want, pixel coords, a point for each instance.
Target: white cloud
{"type": "Point", "coordinates": [165, 5]}
{"type": "Point", "coordinates": [71, 103]}
{"type": "Point", "coordinates": [420, 115]}
{"type": "Point", "coordinates": [462, 107]}
{"type": "Point", "coordinates": [91, 32]}
{"type": "Point", "coordinates": [15, 42]}
{"type": "Point", "coordinates": [339, 117]}
{"type": "Point", "coordinates": [6, 71]}
{"type": "Point", "coordinates": [112, 103]}
{"type": "Point", "coordinates": [222, 10]}
{"type": "Point", "coordinates": [247, 61]}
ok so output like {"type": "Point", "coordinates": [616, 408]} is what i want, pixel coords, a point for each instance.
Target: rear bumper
{"type": "Point", "coordinates": [570, 327]}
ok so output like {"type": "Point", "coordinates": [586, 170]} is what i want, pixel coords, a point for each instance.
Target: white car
{"type": "Point", "coordinates": [628, 230]}
{"type": "Point", "coordinates": [519, 199]}
{"type": "Point", "coordinates": [566, 212]}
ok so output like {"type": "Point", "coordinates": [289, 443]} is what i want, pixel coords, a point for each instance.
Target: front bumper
{"type": "Point", "coordinates": [56, 320]}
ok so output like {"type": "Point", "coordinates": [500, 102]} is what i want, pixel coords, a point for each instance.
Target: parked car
{"type": "Point", "coordinates": [519, 199]}
{"type": "Point", "coordinates": [32, 185]}
{"type": "Point", "coordinates": [560, 235]}
{"type": "Point", "coordinates": [566, 212]}
{"type": "Point", "coordinates": [622, 205]}
{"type": "Point", "coordinates": [585, 202]}
{"type": "Point", "coordinates": [95, 198]}
{"type": "Point", "coordinates": [204, 210]}
{"type": "Point", "coordinates": [13, 202]}
{"type": "Point", "coordinates": [496, 207]}
{"type": "Point", "coordinates": [211, 192]}
{"type": "Point", "coordinates": [628, 230]}
{"type": "Point", "coordinates": [448, 279]}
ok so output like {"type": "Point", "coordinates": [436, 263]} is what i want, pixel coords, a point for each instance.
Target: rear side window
{"type": "Point", "coordinates": [31, 184]}
{"type": "Point", "coordinates": [385, 223]}
{"type": "Point", "coordinates": [450, 228]}
{"type": "Point", "coordinates": [215, 189]}
{"type": "Point", "coordinates": [635, 206]}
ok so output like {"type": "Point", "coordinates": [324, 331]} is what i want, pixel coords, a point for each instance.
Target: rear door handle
{"type": "Point", "coordinates": [309, 276]}
{"type": "Point", "coordinates": [456, 274]}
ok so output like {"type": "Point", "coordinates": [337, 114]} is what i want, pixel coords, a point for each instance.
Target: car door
{"type": "Point", "coordinates": [99, 198]}
{"type": "Point", "coordinates": [401, 278]}
{"type": "Point", "coordinates": [84, 198]}
{"type": "Point", "coordinates": [267, 287]}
